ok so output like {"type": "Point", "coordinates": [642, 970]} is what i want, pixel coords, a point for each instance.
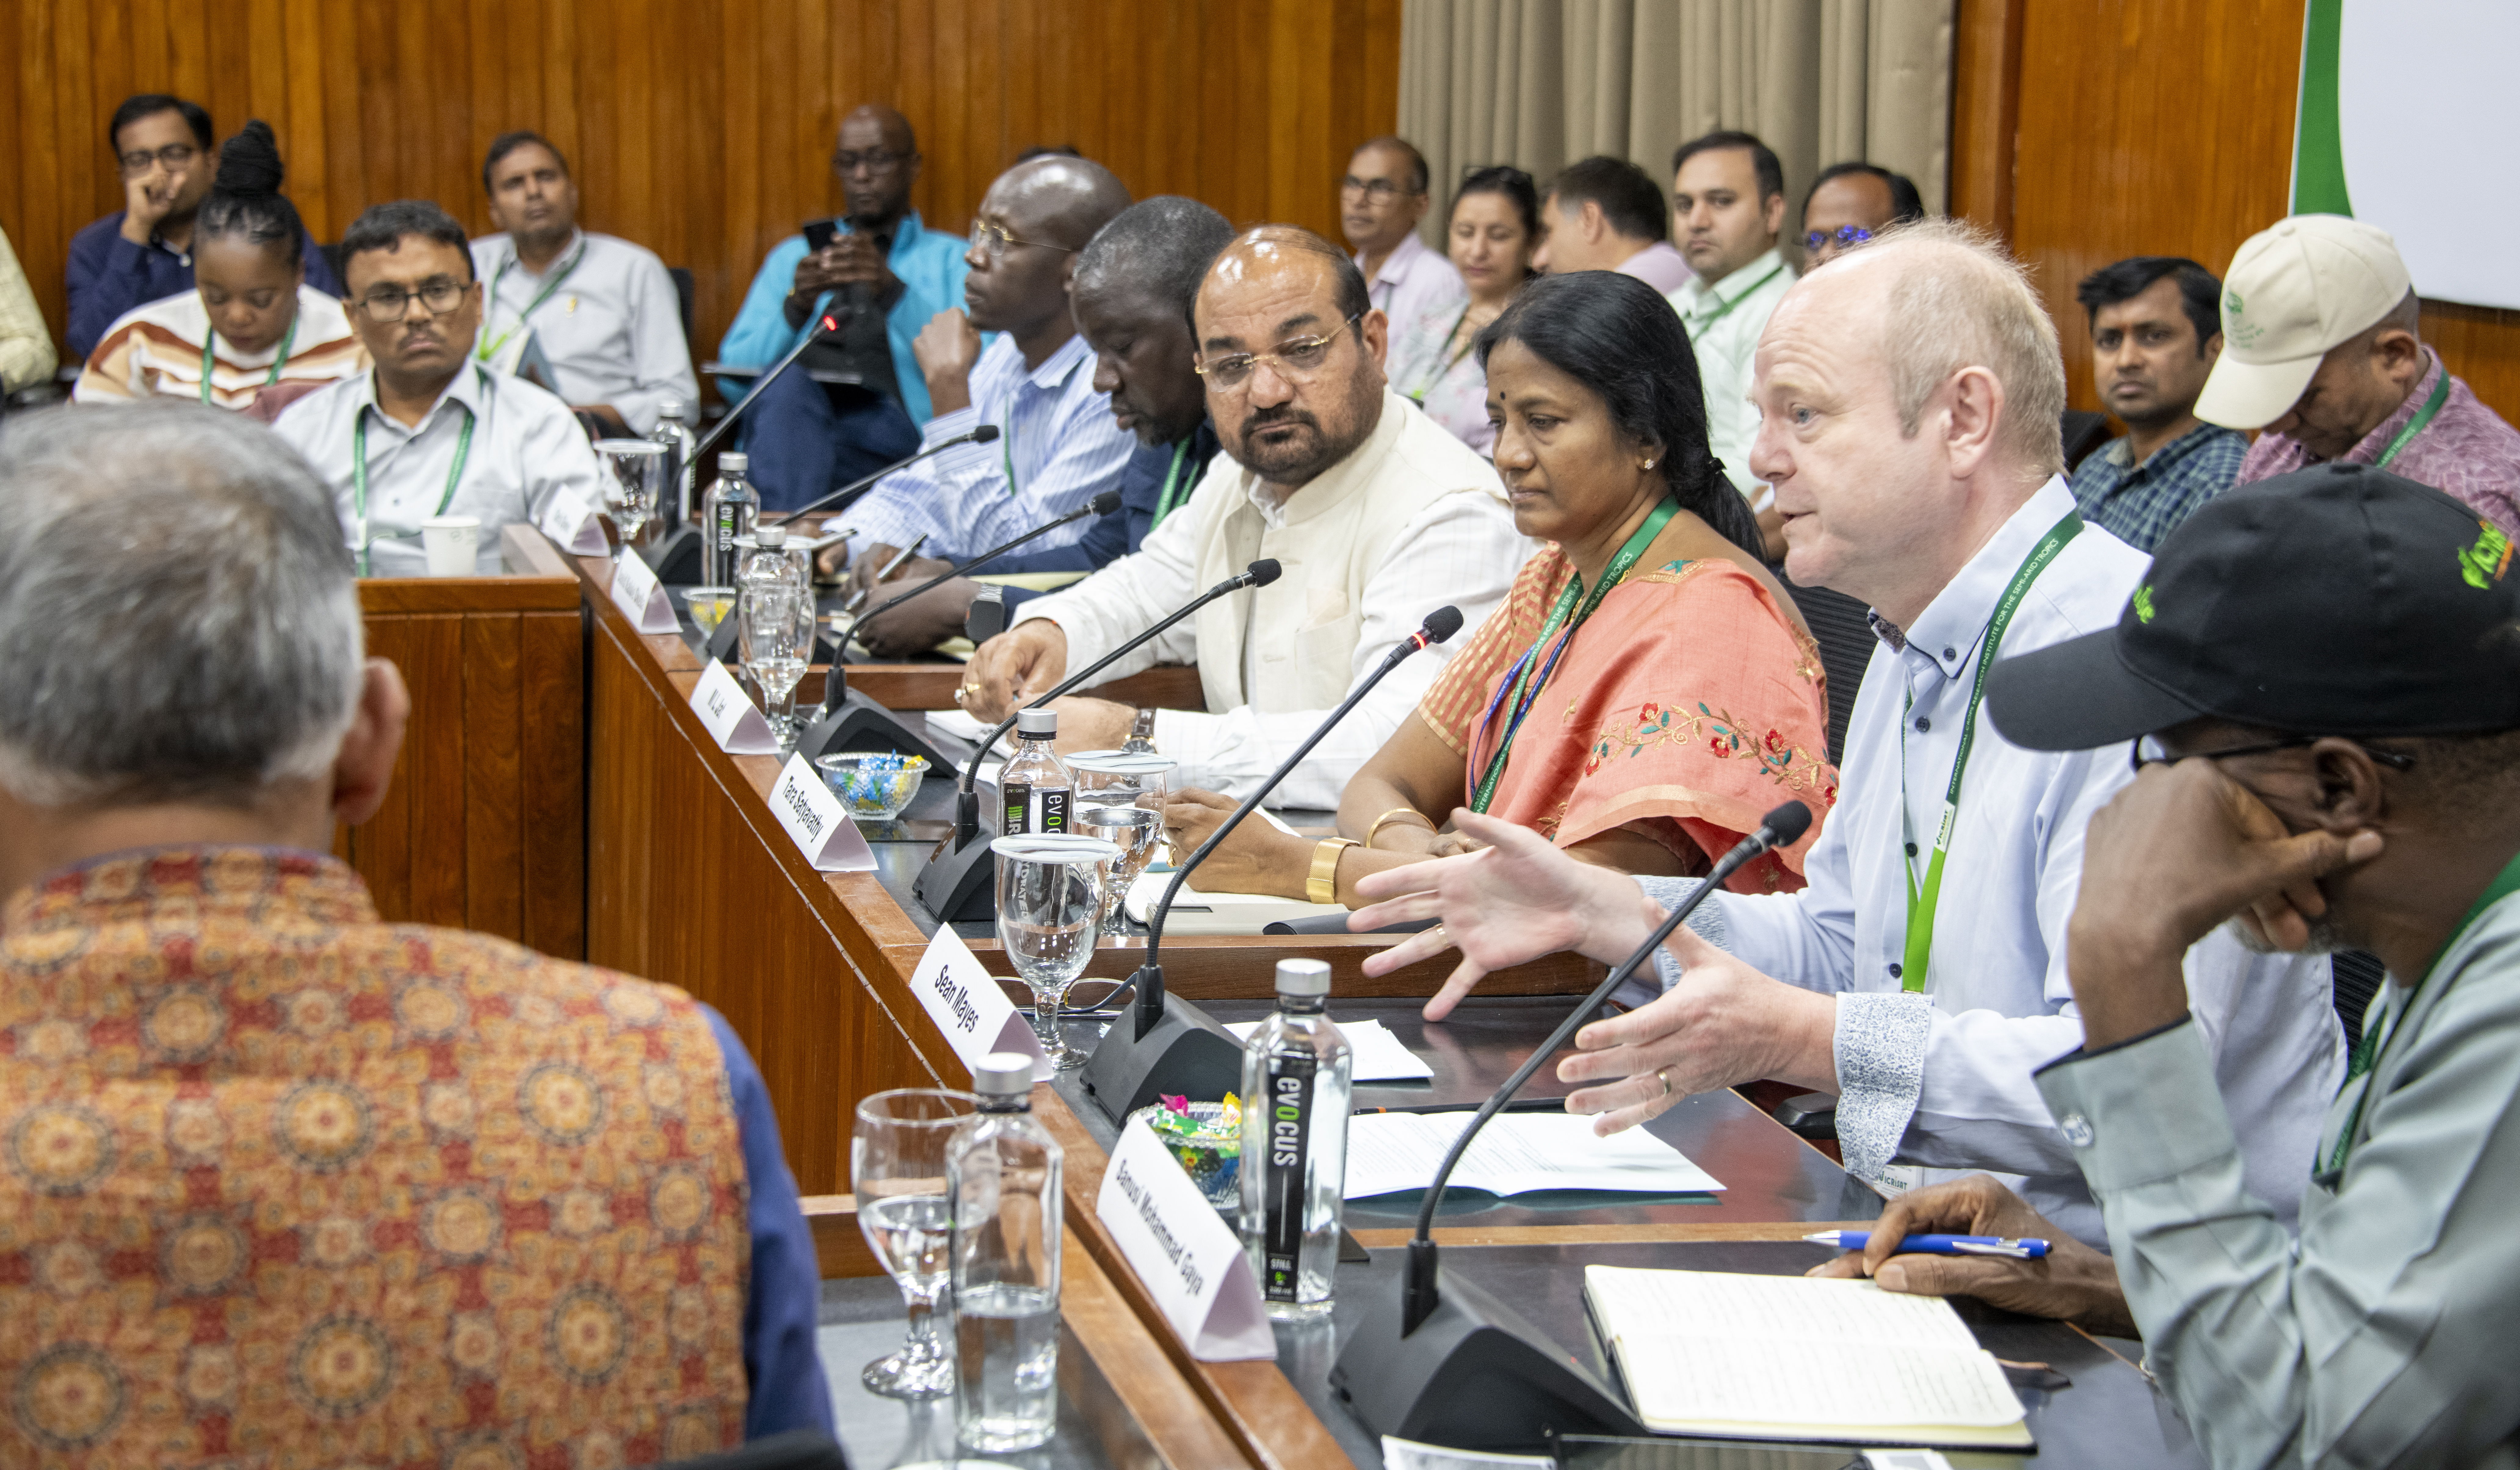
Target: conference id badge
{"type": "Point", "coordinates": [968, 1008]}
{"type": "Point", "coordinates": [640, 595]}
{"type": "Point", "coordinates": [1288, 1120]}
{"type": "Point", "coordinates": [731, 717]}
{"type": "Point", "coordinates": [571, 522]}
{"type": "Point", "coordinates": [822, 830]}
{"type": "Point", "coordinates": [1183, 1250]}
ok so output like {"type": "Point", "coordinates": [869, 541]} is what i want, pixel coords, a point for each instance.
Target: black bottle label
{"type": "Point", "coordinates": [1054, 809]}
{"type": "Point", "coordinates": [1281, 1194]}
{"type": "Point", "coordinates": [1018, 804]}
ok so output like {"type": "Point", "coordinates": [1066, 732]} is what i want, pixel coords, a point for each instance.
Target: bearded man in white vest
{"type": "Point", "coordinates": [1376, 513]}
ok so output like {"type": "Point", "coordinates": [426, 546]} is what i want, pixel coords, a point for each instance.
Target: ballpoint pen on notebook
{"type": "Point", "coordinates": [1517, 1105]}
{"type": "Point", "coordinates": [2027, 1248]}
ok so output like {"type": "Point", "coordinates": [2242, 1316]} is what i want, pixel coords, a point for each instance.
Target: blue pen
{"type": "Point", "coordinates": [2026, 1249]}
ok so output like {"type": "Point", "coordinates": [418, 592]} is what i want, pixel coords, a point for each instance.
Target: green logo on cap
{"type": "Point", "coordinates": [2484, 563]}
{"type": "Point", "coordinates": [2143, 604]}
{"type": "Point", "coordinates": [2232, 302]}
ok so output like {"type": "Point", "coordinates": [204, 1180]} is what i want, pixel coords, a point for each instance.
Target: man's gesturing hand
{"type": "Point", "coordinates": [2073, 1282]}
{"type": "Point", "coordinates": [1723, 1023]}
{"type": "Point", "coordinates": [1022, 663]}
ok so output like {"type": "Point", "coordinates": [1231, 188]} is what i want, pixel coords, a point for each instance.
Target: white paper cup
{"type": "Point", "coordinates": [453, 543]}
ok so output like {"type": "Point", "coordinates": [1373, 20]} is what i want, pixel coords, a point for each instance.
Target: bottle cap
{"type": "Point", "coordinates": [1036, 722]}
{"type": "Point", "coordinates": [671, 408]}
{"type": "Point", "coordinates": [770, 538]}
{"type": "Point", "coordinates": [1002, 1074]}
{"type": "Point", "coordinates": [1304, 977]}
{"type": "Point", "coordinates": [732, 462]}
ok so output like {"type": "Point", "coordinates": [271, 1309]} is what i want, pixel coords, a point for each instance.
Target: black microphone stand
{"type": "Point", "coordinates": [986, 433]}
{"type": "Point", "coordinates": [1170, 1045]}
{"type": "Point", "coordinates": [1460, 1367]}
{"type": "Point", "coordinates": [956, 883]}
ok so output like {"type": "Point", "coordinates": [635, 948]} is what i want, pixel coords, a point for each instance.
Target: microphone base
{"type": "Point", "coordinates": [676, 557]}
{"type": "Point", "coordinates": [1475, 1375]}
{"type": "Point", "coordinates": [722, 643]}
{"type": "Point", "coordinates": [861, 724]}
{"type": "Point", "coordinates": [959, 884]}
{"type": "Point", "coordinates": [1184, 1054]}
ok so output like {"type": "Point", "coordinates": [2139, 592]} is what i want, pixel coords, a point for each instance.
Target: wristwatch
{"type": "Point", "coordinates": [1321, 886]}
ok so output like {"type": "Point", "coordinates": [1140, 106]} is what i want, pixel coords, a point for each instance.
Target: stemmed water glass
{"type": "Point", "coordinates": [897, 1168]}
{"type": "Point", "coordinates": [1049, 909]}
{"type": "Point", "coordinates": [775, 635]}
{"type": "Point", "coordinates": [634, 482]}
{"type": "Point", "coordinates": [1120, 798]}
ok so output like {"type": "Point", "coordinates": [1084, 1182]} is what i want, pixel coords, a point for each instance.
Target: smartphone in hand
{"type": "Point", "coordinates": [820, 232]}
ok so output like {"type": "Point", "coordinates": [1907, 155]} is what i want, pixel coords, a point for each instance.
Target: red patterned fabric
{"type": "Point", "coordinates": [283, 1185]}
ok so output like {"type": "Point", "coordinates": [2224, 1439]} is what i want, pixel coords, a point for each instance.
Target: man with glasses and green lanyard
{"type": "Point", "coordinates": [1920, 974]}
{"type": "Point", "coordinates": [427, 431]}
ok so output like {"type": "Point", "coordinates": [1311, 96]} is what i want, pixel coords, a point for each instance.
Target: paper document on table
{"type": "Point", "coordinates": [1516, 1154]}
{"type": "Point", "coordinates": [1895, 1368]}
{"type": "Point", "coordinates": [1379, 1055]}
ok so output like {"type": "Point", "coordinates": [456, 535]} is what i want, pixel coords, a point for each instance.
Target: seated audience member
{"type": "Point", "coordinates": [1058, 445]}
{"type": "Point", "coordinates": [26, 356]}
{"type": "Point", "coordinates": [1584, 708]}
{"type": "Point", "coordinates": [1922, 991]}
{"type": "Point", "coordinates": [1851, 202]}
{"type": "Point", "coordinates": [252, 324]}
{"type": "Point", "coordinates": [2154, 338]}
{"type": "Point", "coordinates": [1378, 515]}
{"type": "Point", "coordinates": [1607, 214]}
{"type": "Point", "coordinates": [1381, 200]}
{"type": "Point", "coordinates": [427, 431]}
{"type": "Point", "coordinates": [886, 276]}
{"type": "Point", "coordinates": [1495, 219]}
{"type": "Point", "coordinates": [292, 1178]}
{"type": "Point", "coordinates": [1728, 202]}
{"type": "Point", "coordinates": [603, 310]}
{"type": "Point", "coordinates": [143, 252]}
{"type": "Point", "coordinates": [2320, 355]}
{"type": "Point", "coordinates": [1131, 295]}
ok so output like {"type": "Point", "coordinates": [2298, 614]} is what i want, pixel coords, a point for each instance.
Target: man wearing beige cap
{"type": "Point", "coordinates": [2320, 351]}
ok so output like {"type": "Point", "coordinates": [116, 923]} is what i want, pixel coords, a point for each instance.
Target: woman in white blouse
{"type": "Point", "coordinates": [1492, 230]}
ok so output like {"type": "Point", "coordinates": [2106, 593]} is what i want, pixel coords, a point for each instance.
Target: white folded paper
{"type": "Point", "coordinates": [571, 522]}
{"type": "Point", "coordinates": [1190, 1259]}
{"type": "Point", "coordinates": [1198, 912]}
{"type": "Point", "coordinates": [636, 592]}
{"type": "Point", "coordinates": [823, 828]}
{"type": "Point", "coordinates": [1516, 1154]}
{"type": "Point", "coordinates": [731, 717]}
{"type": "Point", "coordinates": [968, 1008]}
{"type": "Point", "coordinates": [1380, 1057]}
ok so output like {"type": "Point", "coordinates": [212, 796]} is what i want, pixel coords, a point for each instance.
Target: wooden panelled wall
{"type": "Point", "coordinates": [2086, 131]}
{"type": "Point", "coordinates": [699, 128]}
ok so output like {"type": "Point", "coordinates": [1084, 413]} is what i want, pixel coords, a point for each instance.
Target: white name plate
{"type": "Point", "coordinates": [1177, 1243]}
{"type": "Point", "coordinates": [570, 521]}
{"type": "Point", "coordinates": [733, 721]}
{"type": "Point", "coordinates": [824, 830]}
{"type": "Point", "coordinates": [968, 1008]}
{"type": "Point", "coordinates": [639, 595]}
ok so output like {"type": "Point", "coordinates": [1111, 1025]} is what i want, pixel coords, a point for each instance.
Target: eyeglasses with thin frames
{"type": "Point", "coordinates": [2148, 751]}
{"type": "Point", "coordinates": [172, 157]}
{"type": "Point", "coordinates": [1296, 359]}
{"type": "Point", "coordinates": [991, 240]}
{"type": "Point", "coordinates": [1379, 191]}
{"type": "Point", "coordinates": [1844, 235]}
{"type": "Point", "coordinates": [392, 303]}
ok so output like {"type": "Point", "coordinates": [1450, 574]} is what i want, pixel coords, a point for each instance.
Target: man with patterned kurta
{"type": "Point", "coordinates": [281, 1183]}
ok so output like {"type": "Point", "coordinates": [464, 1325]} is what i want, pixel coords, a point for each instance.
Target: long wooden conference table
{"type": "Point", "coordinates": [688, 879]}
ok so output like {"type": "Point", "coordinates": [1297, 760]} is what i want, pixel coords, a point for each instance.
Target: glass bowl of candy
{"type": "Point", "coordinates": [875, 786]}
{"type": "Point", "coordinates": [1206, 1138]}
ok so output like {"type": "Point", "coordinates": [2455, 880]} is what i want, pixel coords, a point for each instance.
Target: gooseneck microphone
{"type": "Point", "coordinates": [954, 883]}
{"type": "Point", "coordinates": [1410, 1363]}
{"type": "Point", "coordinates": [827, 325]}
{"type": "Point", "coordinates": [1169, 1046]}
{"type": "Point", "coordinates": [986, 433]}
{"type": "Point", "coordinates": [1100, 504]}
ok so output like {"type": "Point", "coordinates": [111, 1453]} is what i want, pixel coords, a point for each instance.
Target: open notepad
{"type": "Point", "coordinates": [1791, 1357]}
{"type": "Point", "coordinates": [1516, 1154]}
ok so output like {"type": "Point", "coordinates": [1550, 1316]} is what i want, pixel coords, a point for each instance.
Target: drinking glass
{"type": "Point", "coordinates": [708, 607]}
{"type": "Point", "coordinates": [634, 484]}
{"type": "Point", "coordinates": [897, 1168]}
{"type": "Point", "coordinates": [775, 636]}
{"type": "Point", "coordinates": [1120, 799]}
{"type": "Point", "coordinates": [1049, 909]}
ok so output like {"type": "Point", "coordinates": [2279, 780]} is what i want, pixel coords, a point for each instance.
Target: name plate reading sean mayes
{"type": "Point", "coordinates": [733, 721]}
{"type": "Point", "coordinates": [1177, 1243]}
{"type": "Point", "coordinates": [968, 1008]}
{"type": "Point", "coordinates": [570, 521]}
{"type": "Point", "coordinates": [636, 593]}
{"type": "Point", "coordinates": [822, 828]}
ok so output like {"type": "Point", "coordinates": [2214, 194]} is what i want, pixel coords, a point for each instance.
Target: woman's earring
{"type": "Point", "coordinates": [1649, 464]}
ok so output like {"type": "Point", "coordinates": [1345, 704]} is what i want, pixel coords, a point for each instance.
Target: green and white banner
{"type": "Point", "coordinates": [2404, 120]}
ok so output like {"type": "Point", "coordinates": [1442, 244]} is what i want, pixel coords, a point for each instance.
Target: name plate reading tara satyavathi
{"type": "Point", "coordinates": [823, 828]}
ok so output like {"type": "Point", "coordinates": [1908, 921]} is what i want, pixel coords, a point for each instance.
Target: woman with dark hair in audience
{"type": "Point", "coordinates": [251, 334]}
{"type": "Point", "coordinates": [1492, 230]}
{"type": "Point", "coordinates": [1647, 691]}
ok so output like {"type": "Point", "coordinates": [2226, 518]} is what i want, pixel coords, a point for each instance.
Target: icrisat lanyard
{"type": "Point", "coordinates": [1726, 309]}
{"type": "Point", "coordinates": [2433, 402]}
{"type": "Point", "coordinates": [211, 343]}
{"type": "Point", "coordinates": [359, 471]}
{"type": "Point", "coordinates": [1443, 364]}
{"type": "Point", "coordinates": [1921, 904]}
{"type": "Point", "coordinates": [1167, 499]}
{"type": "Point", "coordinates": [490, 349]}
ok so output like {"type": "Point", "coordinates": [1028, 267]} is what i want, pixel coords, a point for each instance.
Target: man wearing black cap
{"type": "Point", "coordinates": [2321, 677]}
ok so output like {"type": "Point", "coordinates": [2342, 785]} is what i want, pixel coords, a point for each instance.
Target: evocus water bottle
{"type": "Point", "coordinates": [1002, 1173]}
{"type": "Point", "coordinates": [1296, 1080]}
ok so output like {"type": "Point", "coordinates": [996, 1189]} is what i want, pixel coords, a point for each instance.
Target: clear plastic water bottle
{"type": "Point", "coordinates": [1035, 785]}
{"type": "Point", "coordinates": [675, 433]}
{"type": "Point", "coordinates": [1296, 1072]}
{"type": "Point", "coordinates": [727, 511]}
{"type": "Point", "coordinates": [775, 598]}
{"type": "Point", "coordinates": [1001, 1173]}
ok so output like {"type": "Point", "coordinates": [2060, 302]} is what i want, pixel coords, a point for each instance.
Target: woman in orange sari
{"type": "Point", "coordinates": [1647, 691]}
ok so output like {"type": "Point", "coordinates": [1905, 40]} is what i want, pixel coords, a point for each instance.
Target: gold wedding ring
{"type": "Point", "coordinates": [1665, 1074]}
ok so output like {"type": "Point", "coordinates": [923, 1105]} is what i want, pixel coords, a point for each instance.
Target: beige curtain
{"type": "Point", "coordinates": [1542, 82]}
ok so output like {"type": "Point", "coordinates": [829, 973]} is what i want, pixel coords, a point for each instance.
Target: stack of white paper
{"type": "Point", "coordinates": [1516, 1154]}
{"type": "Point", "coordinates": [1380, 1057]}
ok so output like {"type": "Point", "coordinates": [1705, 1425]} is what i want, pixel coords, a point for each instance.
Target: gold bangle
{"type": "Point", "coordinates": [1394, 815]}
{"type": "Point", "coordinates": [1321, 887]}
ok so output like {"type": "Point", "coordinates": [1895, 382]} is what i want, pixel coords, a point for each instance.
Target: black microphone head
{"type": "Point", "coordinates": [1263, 571]}
{"type": "Point", "coordinates": [1789, 822]}
{"type": "Point", "coordinates": [1102, 505]}
{"type": "Point", "coordinates": [1442, 623]}
{"type": "Point", "coordinates": [984, 433]}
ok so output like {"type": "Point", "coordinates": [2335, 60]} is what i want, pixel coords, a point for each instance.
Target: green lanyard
{"type": "Point", "coordinates": [1519, 704]}
{"type": "Point", "coordinates": [2375, 1044]}
{"type": "Point", "coordinates": [208, 344]}
{"type": "Point", "coordinates": [2416, 426]}
{"type": "Point", "coordinates": [490, 349]}
{"type": "Point", "coordinates": [359, 474]}
{"type": "Point", "coordinates": [1008, 434]}
{"type": "Point", "coordinates": [1166, 500]}
{"type": "Point", "coordinates": [1435, 374]}
{"type": "Point", "coordinates": [1921, 906]}
{"type": "Point", "coordinates": [1726, 309]}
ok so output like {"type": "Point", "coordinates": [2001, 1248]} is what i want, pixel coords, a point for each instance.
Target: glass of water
{"type": "Point", "coordinates": [1120, 799]}
{"type": "Point", "coordinates": [777, 634]}
{"type": "Point", "coordinates": [634, 482]}
{"type": "Point", "coordinates": [1050, 910]}
{"type": "Point", "coordinates": [897, 1168]}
